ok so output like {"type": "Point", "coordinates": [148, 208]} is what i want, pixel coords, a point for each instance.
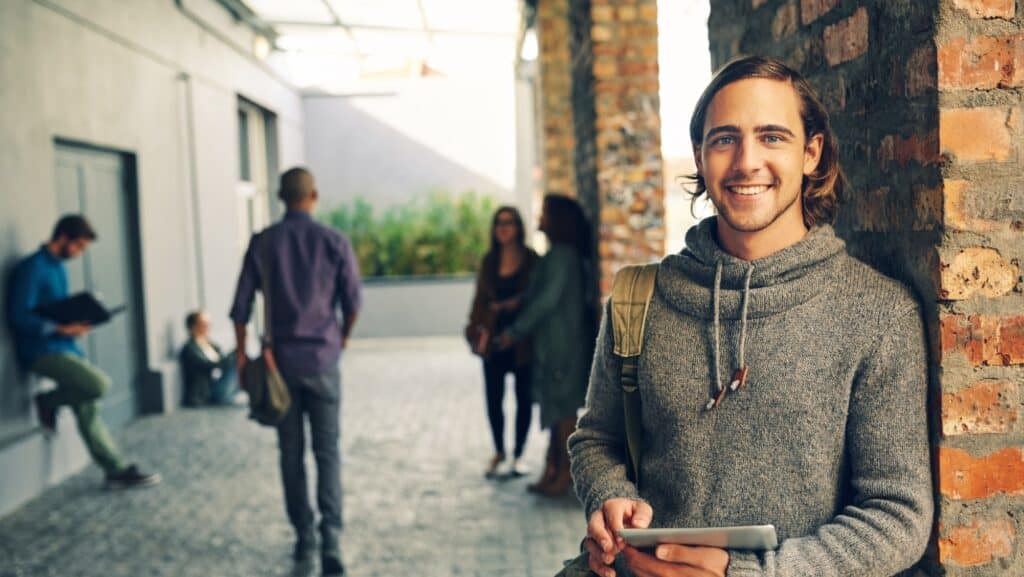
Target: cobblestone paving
{"type": "Point", "coordinates": [415, 440]}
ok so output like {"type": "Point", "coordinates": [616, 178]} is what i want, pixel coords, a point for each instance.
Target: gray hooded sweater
{"type": "Point", "coordinates": [827, 440]}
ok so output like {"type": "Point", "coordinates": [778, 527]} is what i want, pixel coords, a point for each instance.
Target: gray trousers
{"type": "Point", "coordinates": [318, 398]}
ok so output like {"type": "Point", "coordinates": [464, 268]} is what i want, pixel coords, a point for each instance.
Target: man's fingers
{"type": "Point", "coordinates": [598, 561]}
{"type": "Point", "coordinates": [709, 559]}
{"type": "Point", "coordinates": [598, 531]}
{"type": "Point", "coordinates": [642, 515]}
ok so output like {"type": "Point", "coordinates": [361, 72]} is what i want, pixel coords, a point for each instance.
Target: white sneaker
{"type": "Point", "coordinates": [518, 469]}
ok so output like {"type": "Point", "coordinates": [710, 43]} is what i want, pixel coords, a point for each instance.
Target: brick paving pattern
{"type": "Point", "coordinates": [415, 440]}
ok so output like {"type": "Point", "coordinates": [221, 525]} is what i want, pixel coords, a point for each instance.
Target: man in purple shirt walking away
{"type": "Point", "coordinates": [312, 271]}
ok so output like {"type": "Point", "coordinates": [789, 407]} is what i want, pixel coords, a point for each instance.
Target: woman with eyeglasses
{"type": "Point", "coordinates": [501, 280]}
{"type": "Point", "coordinates": [557, 315]}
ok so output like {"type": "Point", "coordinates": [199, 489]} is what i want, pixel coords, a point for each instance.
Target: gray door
{"type": "Point", "coordinates": [95, 183]}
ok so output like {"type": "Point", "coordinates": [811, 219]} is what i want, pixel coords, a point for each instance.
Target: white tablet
{"type": "Point", "coordinates": [750, 537]}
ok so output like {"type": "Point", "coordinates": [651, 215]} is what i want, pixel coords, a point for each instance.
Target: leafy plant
{"type": "Point", "coordinates": [438, 234]}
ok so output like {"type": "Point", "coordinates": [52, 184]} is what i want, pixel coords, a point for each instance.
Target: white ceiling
{"type": "Point", "coordinates": [341, 45]}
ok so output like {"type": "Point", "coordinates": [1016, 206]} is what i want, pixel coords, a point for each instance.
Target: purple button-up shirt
{"type": "Point", "coordinates": [312, 270]}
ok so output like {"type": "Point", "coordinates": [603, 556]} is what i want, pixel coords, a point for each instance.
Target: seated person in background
{"type": "Point", "coordinates": [209, 374]}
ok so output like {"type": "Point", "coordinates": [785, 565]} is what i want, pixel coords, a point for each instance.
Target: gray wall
{"type": "Point", "coordinates": [453, 134]}
{"type": "Point", "coordinates": [415, 307]}
{"type": "Point", "coordinates": [120, 75]}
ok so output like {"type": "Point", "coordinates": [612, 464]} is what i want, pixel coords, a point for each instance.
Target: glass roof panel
{"type": "Point", "coordinates": [313, 11]}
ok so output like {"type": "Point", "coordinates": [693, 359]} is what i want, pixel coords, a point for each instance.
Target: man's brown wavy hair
{"type": "Point", "coordinates": [822, 190]}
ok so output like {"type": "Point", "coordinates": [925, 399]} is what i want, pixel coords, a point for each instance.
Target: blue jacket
{"type": "Point", "coordinates": [39, 278]}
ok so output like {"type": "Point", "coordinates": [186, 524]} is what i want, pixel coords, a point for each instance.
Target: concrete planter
{"type": "Point", "coordinates": [415, 306]}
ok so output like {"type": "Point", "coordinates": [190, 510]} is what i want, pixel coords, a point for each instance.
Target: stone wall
{"type": "Point", "coordinates": [926, 100]}
{"type": "Point", "coordinates": [624, 38]}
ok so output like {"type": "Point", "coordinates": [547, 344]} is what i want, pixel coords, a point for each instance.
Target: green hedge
{"type": "Point", "coordinates": [439, 234]}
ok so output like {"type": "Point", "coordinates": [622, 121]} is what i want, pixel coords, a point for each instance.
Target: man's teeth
{"type": "Point", "coordinates": [750, 190]}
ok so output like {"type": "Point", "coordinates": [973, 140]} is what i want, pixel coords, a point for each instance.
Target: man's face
{"type": "Point", "coordinates": [69, 249]}
{"type": "Point", "coordinates": [754, 157]}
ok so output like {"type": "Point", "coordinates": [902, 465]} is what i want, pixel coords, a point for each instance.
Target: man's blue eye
{"type": "Point", "coordinates": [723, 140]}
{"type": "Point", "coordinates": [773, 138]}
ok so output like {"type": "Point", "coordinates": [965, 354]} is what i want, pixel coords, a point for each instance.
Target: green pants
{"type": "Point", "coordinates": [79, 386]}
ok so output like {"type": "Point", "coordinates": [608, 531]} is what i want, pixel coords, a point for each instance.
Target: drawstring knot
{"type": "Point", "coordinates": [739, 376]}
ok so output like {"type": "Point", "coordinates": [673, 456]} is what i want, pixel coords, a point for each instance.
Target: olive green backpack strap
{"type": "Point", "coordinates": [631, 296]}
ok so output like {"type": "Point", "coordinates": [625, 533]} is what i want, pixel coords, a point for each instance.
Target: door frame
{"type": "Point", "coordinates": [133, 210]}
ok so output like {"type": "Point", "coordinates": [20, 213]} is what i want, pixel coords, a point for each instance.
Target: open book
{"type": "Point", "coordinates": [82, 307]}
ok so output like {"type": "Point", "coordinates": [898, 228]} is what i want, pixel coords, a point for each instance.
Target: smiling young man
{"type": "Point", "coordinates": [782, 381]}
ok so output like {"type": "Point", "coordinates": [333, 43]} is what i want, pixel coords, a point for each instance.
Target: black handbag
{"type": "Point", "coordinates": [269, 399]}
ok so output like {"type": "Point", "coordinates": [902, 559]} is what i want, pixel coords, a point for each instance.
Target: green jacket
{"type": "Point", "coordinates": [554, 315]}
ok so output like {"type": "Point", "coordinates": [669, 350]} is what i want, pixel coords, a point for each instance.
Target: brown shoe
{"type": "Point", "coordinates": [494, 466]}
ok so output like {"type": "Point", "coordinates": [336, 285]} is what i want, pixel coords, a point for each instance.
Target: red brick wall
{"type": "Point", "coordinates": [558, 140]}
{"type": "Point", "coordinates": [928, 101]}
{"type": "Point", "coordinates": [980, 79]}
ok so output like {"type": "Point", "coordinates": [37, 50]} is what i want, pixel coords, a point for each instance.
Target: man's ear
{"type": "Point", "coordinates": [698, 160]}
{"type": "Point", "coordinates": [812, 153]}
{"type": "Point", "coordinates": [315, 195]}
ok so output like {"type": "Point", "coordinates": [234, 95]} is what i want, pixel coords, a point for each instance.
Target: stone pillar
{"type": "Point", "coordinates": [558, 141]}
{"type": "Point", "coordinates": [627, 119]}
{"type": "Point", "coordinates": [926, 98]}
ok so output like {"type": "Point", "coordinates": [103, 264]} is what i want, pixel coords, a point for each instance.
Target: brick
{"type": "Point", "coordinates": [627, 13]}
{"type": "Point", "coordinates": [954, 213]}
{"type": "Point", "coordinates": [981, 62]}
{"type": "Point", "coordinates": [784, 23]}
{"type": "Point", "coordinates": [847, 39]}
{"type": "Point", "coordinates": [963, 476]}
{"type": "Point", "coordinates": [984, 340]}
{"type": "Point", "coordinates": [985, 407]}
{"type": "Point", "coordinates": [923, 150]}
{"type": "Point", "coordinates": [927, 208]}
{"type": "Point", "coordinates": [606, 68]}
{"type": "Point", "coordinates": [600, 33]}
{"type": "Point", "coordinates": [986, 8]}
{"type": "Point", "coordinates": [920, 74]}
{"type": "Point", "coordinates": [979, 543]}
{"type": "Point", "coordinates": [975, 134]}
{"type": "Point", "coordinates": [811, 10]}
{"type": "Point", "coordinates": [649, 12]}
{"type": "Point", "coordinates": [602, 13]}
{"type": "Point", "coordinates": [976, 270]}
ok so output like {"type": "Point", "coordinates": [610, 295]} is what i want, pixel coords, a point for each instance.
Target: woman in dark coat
{"type": "Point", "coordinates": [501, 280]}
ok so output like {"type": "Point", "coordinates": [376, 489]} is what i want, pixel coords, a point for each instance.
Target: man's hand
{"type": "Point", "coordinates": [73, 330]}
{"type": "Point", "coordinates": [677, 561]}
{"type": "Point", "coordinates": [603, 542]}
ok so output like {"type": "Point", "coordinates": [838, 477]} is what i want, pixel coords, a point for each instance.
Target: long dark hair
{"type": "Point", "coordinates": [822, 190]}
{"type": "Point", "coordinates": [567, 224]}
{"type": "Point", "coordinates": [491, 258]}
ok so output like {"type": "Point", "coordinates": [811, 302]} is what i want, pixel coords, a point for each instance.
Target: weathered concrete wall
{"type": "Point", "coordinates": [926, 100]}
{"type": "Point", "coordinates": [120, 75]}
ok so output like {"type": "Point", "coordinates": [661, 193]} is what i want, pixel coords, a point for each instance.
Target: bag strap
{"type": "Point", "coordinates": [265, 285]}
{"type": "Point", "coordinates": [631, 297]}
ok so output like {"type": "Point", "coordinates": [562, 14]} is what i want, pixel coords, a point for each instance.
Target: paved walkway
{"type": "Point", "coordinates": [415, 440]}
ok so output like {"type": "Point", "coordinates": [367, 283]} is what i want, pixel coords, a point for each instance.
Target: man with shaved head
{"type": "Point", "coordinates": [309, 271]}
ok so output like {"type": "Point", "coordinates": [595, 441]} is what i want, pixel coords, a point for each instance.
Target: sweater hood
{"type": "Point", "coordinates": [777, 282]}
